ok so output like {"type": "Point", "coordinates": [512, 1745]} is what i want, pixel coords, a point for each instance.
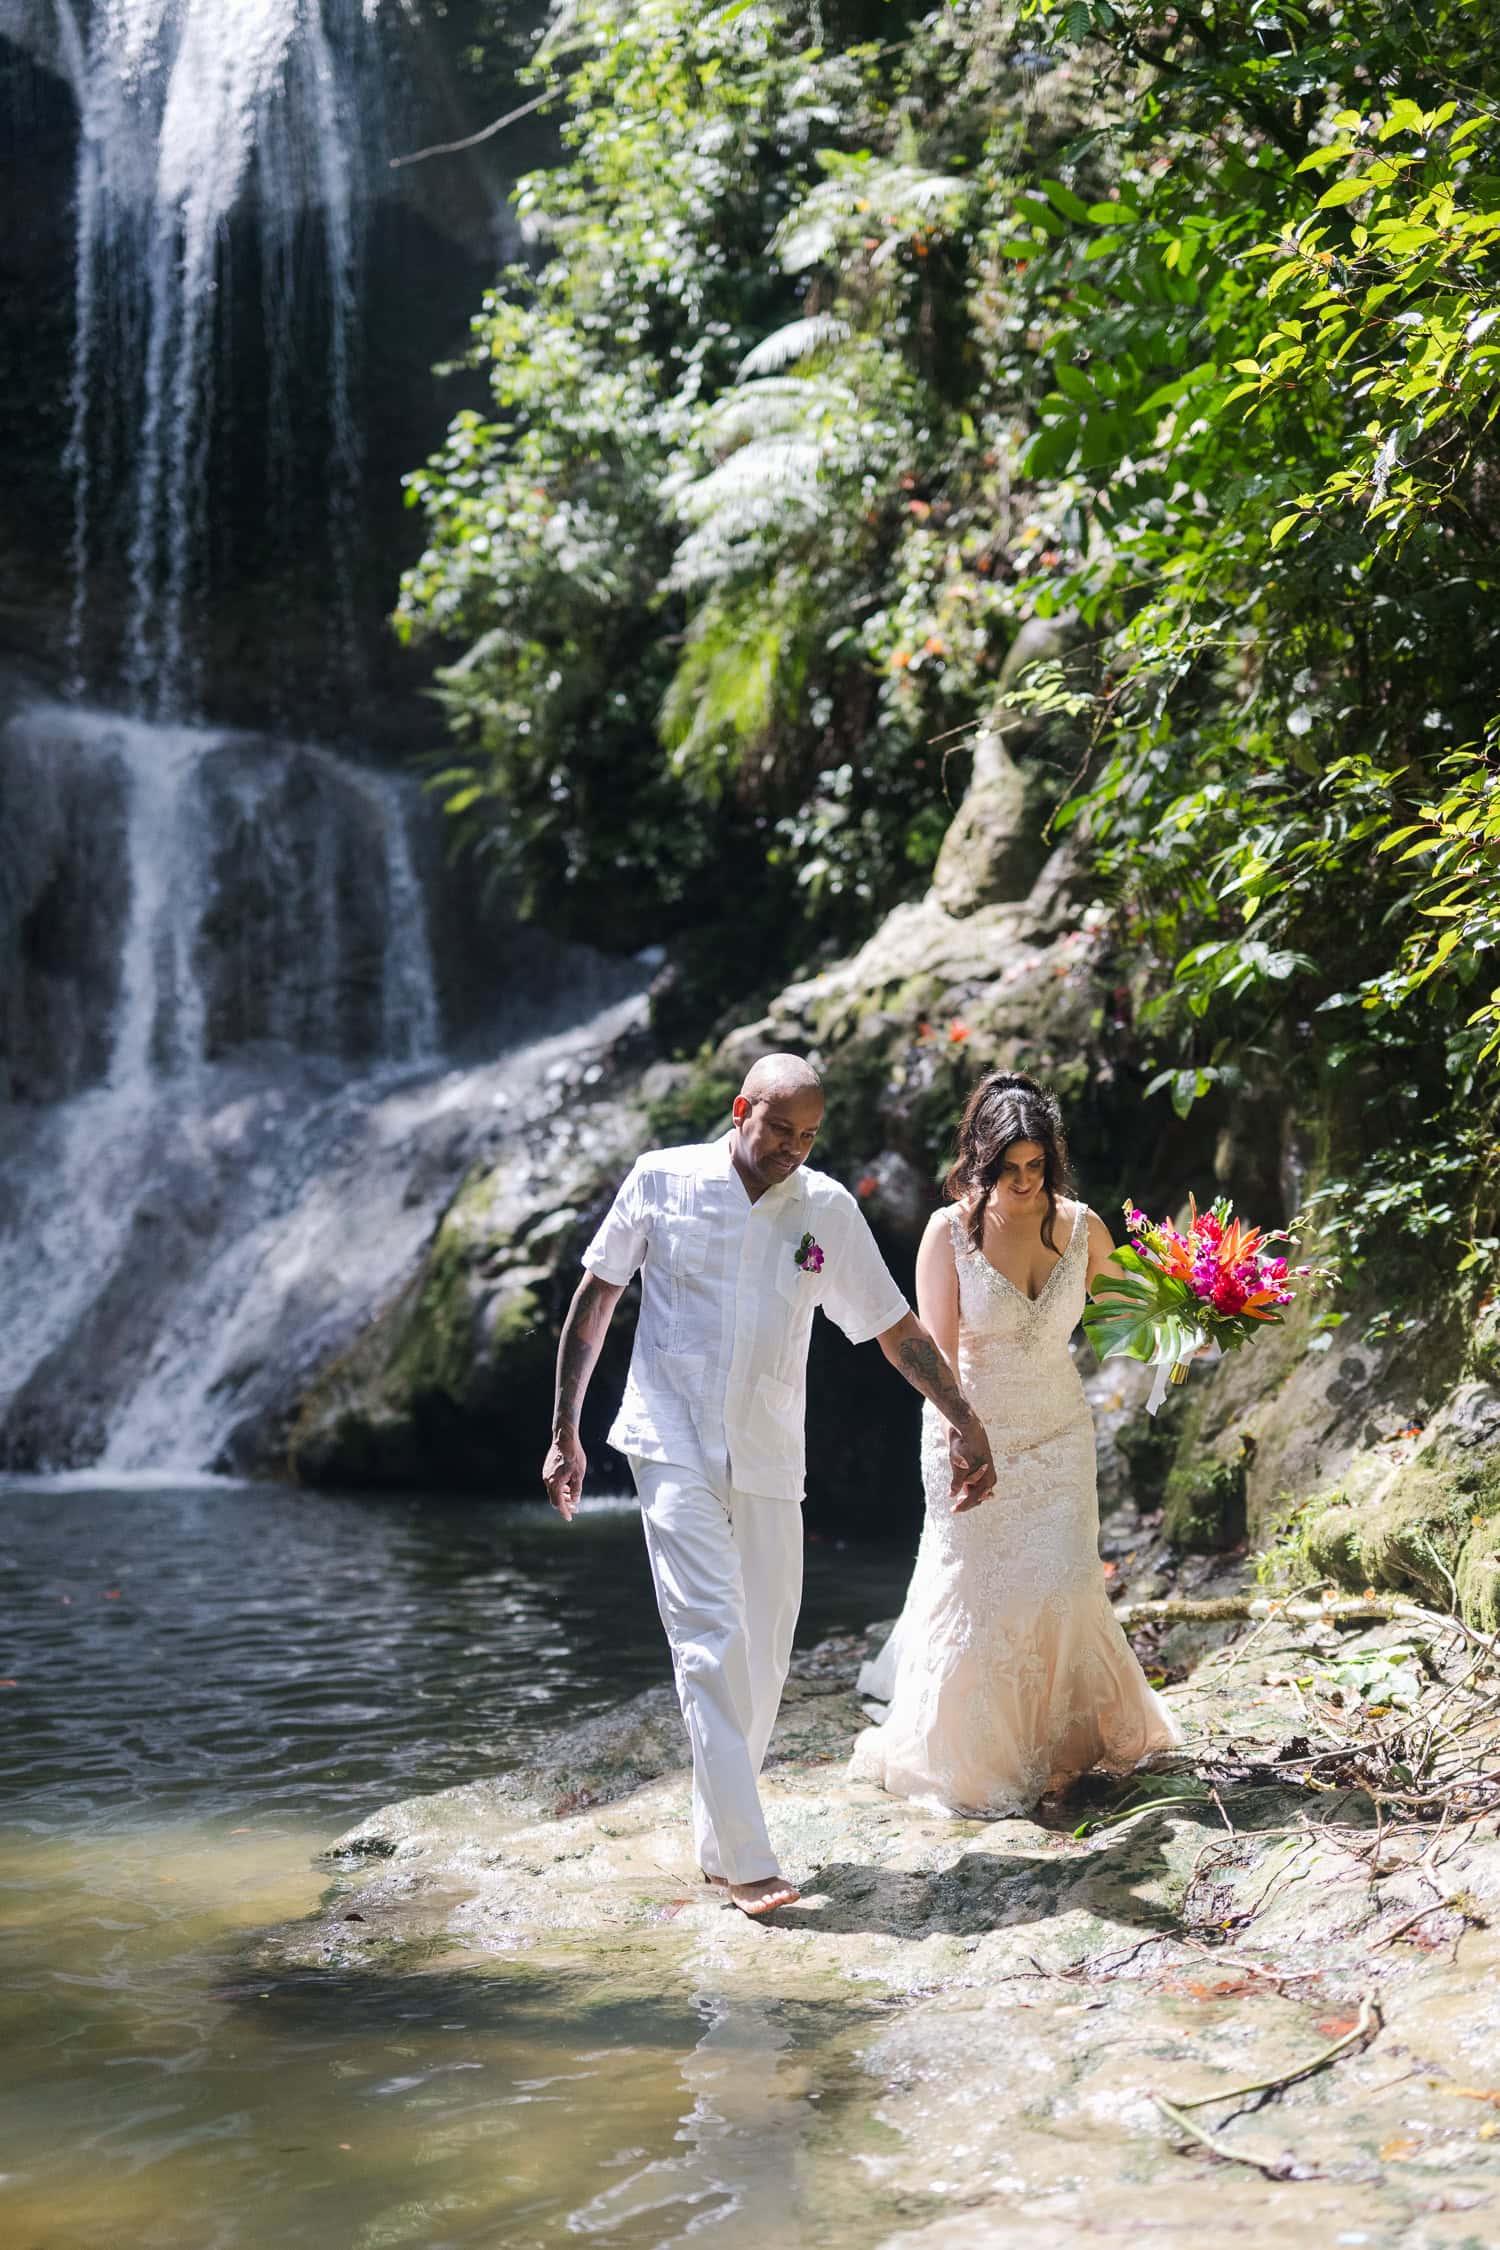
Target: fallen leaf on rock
{"type": "Point", "coordinates": [1223, 1988]}
{"type": "Point", "coordinates": [1476, 2094]}
{"type": "Point", "coordinates": [1334, 2027]}
{"type": "Point", "coordinates": [1398, 2149]}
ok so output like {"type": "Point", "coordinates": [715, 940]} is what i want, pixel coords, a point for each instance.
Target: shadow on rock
{"type": "Point", "coordinates": [1133, 1881]}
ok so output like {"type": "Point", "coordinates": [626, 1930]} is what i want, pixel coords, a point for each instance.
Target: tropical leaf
{"type": "Point", "coordinates": [799, 339]}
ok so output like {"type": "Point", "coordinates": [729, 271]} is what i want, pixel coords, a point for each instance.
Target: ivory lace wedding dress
{"type": "Point", "coordinates": [1007, 1674]}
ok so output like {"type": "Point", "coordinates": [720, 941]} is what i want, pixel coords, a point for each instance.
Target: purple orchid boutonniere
{"type": "Point", "coordinates": [808, 1255]}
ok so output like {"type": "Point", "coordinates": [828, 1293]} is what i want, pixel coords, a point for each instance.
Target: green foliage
{"type": "Point", "coordinates": [1272, 396]}
{"type": "Point", "coordinates": [701, 639]}
{"type": "Point", "coordinates": [859, 337]}
{"type": "Point", "coordinates": [1203, 1506]}
{"type": "Point", "coordinates": [1144, 1313]}
{"type": "Point", "coordinates": [695, 1108]}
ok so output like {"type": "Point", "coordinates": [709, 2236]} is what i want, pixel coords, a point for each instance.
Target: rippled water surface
{"type": "Point", "coordinates": [202, 1688]}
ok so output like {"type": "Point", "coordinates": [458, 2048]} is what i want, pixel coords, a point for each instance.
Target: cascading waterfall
{"type": "Point", "coordinates": [273, 976]}
{"type": "Point", "coordinates": [191, 110]}
{"type": "Point", "coordinates": [228, 1119]}
{"type": "Point", "coordinates": [227, 1116]}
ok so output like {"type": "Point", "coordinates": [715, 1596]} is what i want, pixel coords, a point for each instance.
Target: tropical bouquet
{"type": "Point", "coordinates": [1176, 1293]}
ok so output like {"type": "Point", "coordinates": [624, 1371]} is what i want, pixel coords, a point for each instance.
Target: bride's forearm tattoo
{"type": "Point", "coordinates": [927, 1371]}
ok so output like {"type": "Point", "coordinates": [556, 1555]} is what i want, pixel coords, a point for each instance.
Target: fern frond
{"type": "Point", "coordinates": [799, 339]}
{"type": "Point", "coordinates": [864, 199]}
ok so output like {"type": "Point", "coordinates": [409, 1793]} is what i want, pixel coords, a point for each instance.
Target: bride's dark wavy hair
{"type": "Point", "coordinates": [1005, 1108]}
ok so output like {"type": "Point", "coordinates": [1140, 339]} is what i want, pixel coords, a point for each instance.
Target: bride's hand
{"type": "Point", "coordinates": [972, 1465]}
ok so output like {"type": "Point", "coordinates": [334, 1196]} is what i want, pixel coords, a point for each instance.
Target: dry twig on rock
{"type": "Point", "coordinates": [1363, 2032]}
{"type": "Point", "coordinates": [1273, 2167]}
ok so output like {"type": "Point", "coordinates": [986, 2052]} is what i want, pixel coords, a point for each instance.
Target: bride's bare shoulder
{"type": "Point", "coordinates": [939, 1228]}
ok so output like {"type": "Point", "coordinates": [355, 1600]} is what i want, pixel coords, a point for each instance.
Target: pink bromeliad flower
{"type": "Point", "coordinates": [1215, 1282]}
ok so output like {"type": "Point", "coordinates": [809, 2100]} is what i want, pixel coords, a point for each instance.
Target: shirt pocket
{"type": "Point", "coordinates": [685, 1244]}
{"type": "Point", "coordinates": [795, 1283]}
{"type": "Point", "coordinates": [780, 1404]}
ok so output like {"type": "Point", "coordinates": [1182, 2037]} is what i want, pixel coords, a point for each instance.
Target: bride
{"type": "Point", "coordinates": [1007, 1675]}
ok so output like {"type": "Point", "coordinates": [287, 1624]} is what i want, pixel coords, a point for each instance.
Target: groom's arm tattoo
{"type": "Point", "coordinates": [928, 1371]}
{"type": "Point", "coordinates": [578, 1348]}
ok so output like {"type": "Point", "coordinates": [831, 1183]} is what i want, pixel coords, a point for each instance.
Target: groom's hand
{"type": "Point", "coordinates": [563, 1473]}
{"type": "Point", "coordinates": [972, 1465]}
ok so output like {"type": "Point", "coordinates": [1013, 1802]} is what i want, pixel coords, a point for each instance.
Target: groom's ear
{"type": "Point", "coordinates": [739, 1109]}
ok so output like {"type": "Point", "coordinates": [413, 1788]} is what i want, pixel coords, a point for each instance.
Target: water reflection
{"type": "Point", "coordinates": [747, 2110]}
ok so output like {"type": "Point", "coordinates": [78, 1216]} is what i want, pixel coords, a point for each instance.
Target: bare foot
{"type": "Point", "coordinates": [765, 1896]}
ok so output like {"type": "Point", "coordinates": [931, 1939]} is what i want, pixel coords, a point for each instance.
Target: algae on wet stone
{"type": "Point", "coordinates": [1427, 1525]}
{"type": "Point", "coordinates": [1204, 1503]}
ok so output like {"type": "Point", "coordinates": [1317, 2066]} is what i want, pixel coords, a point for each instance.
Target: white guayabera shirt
{"type": "Point", "coordinates": [718, 1376]}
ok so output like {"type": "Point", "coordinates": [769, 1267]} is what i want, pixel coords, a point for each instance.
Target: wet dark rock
{"type": "Point", "coordinates": [64, 901]}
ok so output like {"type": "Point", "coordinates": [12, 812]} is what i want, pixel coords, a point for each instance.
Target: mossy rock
{"type": "Point", "coordinates": [1204, 1505]}
{"type": "Point", "coordinates": [1330, 1543]}
{"type": "Point", "coordinates": [1479, 1577]}
{"type": "Point", "coordinates": [1427, 1527]}
{"type": "Point", "coordinates": [1484, 1346]}
{"type": "Point", "coordinates": [1410, 1541]}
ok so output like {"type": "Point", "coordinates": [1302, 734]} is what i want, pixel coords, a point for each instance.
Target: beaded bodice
{"type": "Point", "coordinates": [1013, 1357]}
{"type": "Point", "coordinates": [992, 1306]}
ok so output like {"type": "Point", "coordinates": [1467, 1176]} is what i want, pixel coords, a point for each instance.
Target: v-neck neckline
{"type": "Point", "coordinates": [1004, 1278]}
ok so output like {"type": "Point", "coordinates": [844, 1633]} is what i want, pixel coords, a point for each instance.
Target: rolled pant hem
{"type": "Point", "coordinates": [755, 1875]}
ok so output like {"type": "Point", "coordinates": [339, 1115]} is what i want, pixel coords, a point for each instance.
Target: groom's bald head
{"type": "Point", "coordinates": [782, 1076]}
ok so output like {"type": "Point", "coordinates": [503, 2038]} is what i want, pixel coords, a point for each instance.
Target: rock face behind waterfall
{"type": "Point", "coordinates": [63, 905]}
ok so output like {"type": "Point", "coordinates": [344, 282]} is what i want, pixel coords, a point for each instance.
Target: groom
{"type": "Point", "coordinates": [737, 1246]}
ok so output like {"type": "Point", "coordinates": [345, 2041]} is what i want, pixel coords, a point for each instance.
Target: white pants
{"type": "Point", "coordinates": [727, 1566]}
